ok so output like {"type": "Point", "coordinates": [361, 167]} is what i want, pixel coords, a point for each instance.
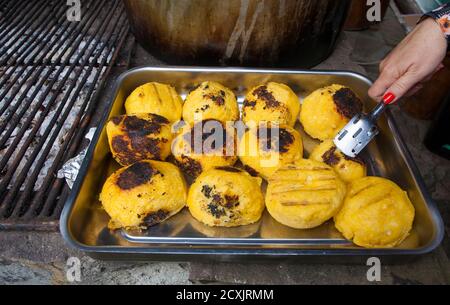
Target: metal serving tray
{"type": "Point", "coordinates": [84, 223]}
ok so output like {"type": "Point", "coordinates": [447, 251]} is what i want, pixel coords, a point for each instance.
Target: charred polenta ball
{"type": "Point", "coordinates": [143, 194]}
{"type": "Point", "coordinates": [304, 194]}
{"type": "Point", "coordinates": [210, 100]}
{"type": "Point", "coordinates": [376, 213]}
{"type": "Point", "coordinates": [227, 197]}
{"type": "Point", "coordinates": [264, 149]}
{"type": "Point", "coordinates": [139, 137]}
{"type": "Point", "coordinates": [327, 110]}
{"type": "Point", "coordinates": [155, 98]}
{"type": "Point", "coordinates": [207, 144]}
{"type": "Point", "coordinates": [273, 102]}
{"type": "Point", "coordinates": [347, 168]}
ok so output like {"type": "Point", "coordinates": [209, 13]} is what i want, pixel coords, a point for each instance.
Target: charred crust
{"type": "Point", "coordinates": [263, 94]}
{"type": "Point", "coordinates": [155, 217]}
{"type": "Point", "coordinates": [141, 127]}
{"type": "Point", "coordinates": [271, 142]}
{"type": "Point", "coordinates": [190, 166]}
{"type": "Point", "coordinates": [206, 190]}
{"type": "Point", "coordinates": [217, 99]}
{"type": "Point", "coordinates": [135, 175]}
{"type": "Point", "coordinates": [347, 103]}
{"type": "Point", "coordinates": [117, 119]}
{"type": "Point", "coordinates": [229, 169]}
{"type": "Point", "coordinates": [159, 119]}
{"type": "Point", "coordinates": [231, 201]}
{"type": "Point", "coordinates": [119, 143]}
{"type": "Point", "coordinates": [330, 157]}
{"type": "Point", "coordinates": [218, 205]}
{"type": "Point", "coordinates": [146, 146]}
{"type": "Point", "coordinates": [354, 159]}
{"type": "Point", "coordinates": [216, 210]}
{"type": "Point", "coordinates": [135, 144]}
{"type": "Point", "coordinates": [286, 139]}
{"type": "Point", "coordinates": [249, 104]}
{"type": "Point", "coordinates": [141, 148]}
{"type": "Point", "coordinates": [251, 171]}
{"type": "Point", "coordinates": [203, 108]}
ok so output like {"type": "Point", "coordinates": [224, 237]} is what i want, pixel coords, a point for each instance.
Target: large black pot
{"type": "Point", "coordinates": [289, 33]}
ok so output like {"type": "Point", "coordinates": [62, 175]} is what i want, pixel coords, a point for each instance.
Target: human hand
{"type": "Point", "coordinates": [412, 62]}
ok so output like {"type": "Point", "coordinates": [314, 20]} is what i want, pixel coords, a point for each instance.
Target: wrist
{"type": "Point", "coordinates": [439, 19]}
{"type": "Point", "coordinates": [431, 28]}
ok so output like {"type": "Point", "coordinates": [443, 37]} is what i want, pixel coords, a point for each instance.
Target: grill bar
{"type": "Point", "coordinates": [22, 51]}
{"type": "Point", "coordinates": [24, 9]}
{"type": "Point", "coordinates": [11, 39]}
{"type": "Point", "coordinates": [14, 118]}
{"type": "Point", "coordinates": [51, 75]}
{"type": "Point", "coordinates": [59, 125]}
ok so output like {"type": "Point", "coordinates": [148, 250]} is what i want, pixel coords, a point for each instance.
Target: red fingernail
{"type": "Point", "coordinates": [388, 98]}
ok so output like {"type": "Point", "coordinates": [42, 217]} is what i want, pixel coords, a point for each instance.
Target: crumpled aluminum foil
{"type": "Point", "coordinates": [71, 168]}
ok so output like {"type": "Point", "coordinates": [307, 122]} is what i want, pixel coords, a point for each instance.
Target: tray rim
{"type": "Point", "coordinates": [188, 250]}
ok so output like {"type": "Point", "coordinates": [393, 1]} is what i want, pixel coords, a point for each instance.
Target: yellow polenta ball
{"type": "Point", "coordinates": [304, 194]}
{"type": "Point", "coordinates": [272, 102]}
{"type": "Point", "coordinates": [139, 137]}
{"type": "Point", "coordinates": [326, 111]}
{"type": "Point", "coordinates": [376, 213]}
{"type": "Point", "coordinates": [155, 98]}
{"type": "Point", "coordinates": [267, 147]}
{"type": "Point", "coordinates": [226, 197]}
{"type": "Point", "coordinates": [143, 194]}
{"type": "Point", "coordinates": [205, 145]}
{"type": "Point", "coordinates": [210, 100]}
{"type": "Point", "coordinates": [348, 168]}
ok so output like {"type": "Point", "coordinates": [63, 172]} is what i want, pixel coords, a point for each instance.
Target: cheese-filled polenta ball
{"type": "Point", "coordinates": [304, 194]}
{"type": "Point", "coordinates": [210, 100]}
{"type": "Point", "coordinates": [273, 102]}
{"type": "Point", "coordinates": [267, 147]}
{"type": "Point", "coordinates": [143, 194]}
{"type": "Point", "coordinates": [348, 168]}
{"type": "Point", "coordinates": [139, 137]}
{"type": "Point", "coordinates": [327, 110]}
{"type": "Point", "coordinates": [376, 213]}
{"type": "Point", "coordinates": [155, 98]}
{"type": "Point", "coordinates": [203, 146]}
{"type": "Point", "coordinates": [226, 197]}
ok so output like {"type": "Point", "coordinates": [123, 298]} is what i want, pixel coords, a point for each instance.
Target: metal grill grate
{"type": "Point", "coordinates": [51, 73]}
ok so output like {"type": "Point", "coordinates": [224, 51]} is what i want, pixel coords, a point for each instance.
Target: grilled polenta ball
{"type": "Point", "coordinates": [210, 100]}
{"type": "Point", "coordinates": [139, 137]}
{"type": "Point", "coordinates": [264, 149]}
{"type": "Point", "coordinates": [376, 213]}
{"type": "Point", "coordinates": [203, 146]}
{"type": "Point", "coordinates": [143, 194]}
{"type": "Point", "coordinates": [348, 168]}
{"type": "Point", "coordinates": [226, 197]}
{"type": "Point", "coordinates": [155, 98]}
{"type": "Point", "coordinates": [304, 194]}
{"type": "Point", "coordinates": [326, 111]}
{"type": "Point", "coordinates": [273, 102]}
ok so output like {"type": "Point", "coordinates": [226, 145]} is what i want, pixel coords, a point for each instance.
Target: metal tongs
{"type": "Point", "coordinates": [361, 129]}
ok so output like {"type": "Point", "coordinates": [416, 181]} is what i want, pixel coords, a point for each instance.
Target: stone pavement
{"type": "Point", "coordinates": [40, 258]}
